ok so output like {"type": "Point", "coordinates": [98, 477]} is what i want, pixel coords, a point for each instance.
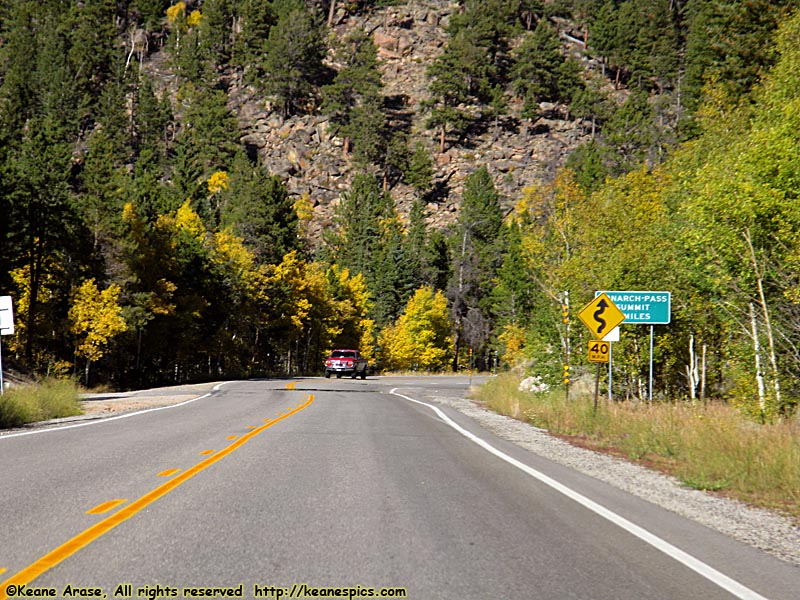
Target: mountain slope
{"type": "Point", "coordinates": [312, 162]}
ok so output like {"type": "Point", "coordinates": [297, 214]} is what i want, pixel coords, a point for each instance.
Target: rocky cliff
{"type": "Point", "coordinates": [303, 151]}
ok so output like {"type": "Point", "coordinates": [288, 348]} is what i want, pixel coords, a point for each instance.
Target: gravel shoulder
{"type": "Point", "coordinates": [102, 405]}
{"type": "Point", "coordinates": [768, 531]}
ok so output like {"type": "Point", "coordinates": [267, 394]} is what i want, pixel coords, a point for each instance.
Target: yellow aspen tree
{"type": "Point", "coordinates": [194, 18]}
{"type": "Point", "coordinates": [186, 220]}
{"type": "Point", "coordinates": [176, 11]}
{"type": "Point", "coordinates": [353, 306]}
{"type": "Point", "coordinates": [96, 318]}
{"type": "Point", "coordinates": [218, 181]}
{"type": "Point", "coordinates": [512, 339]}
{"type": "Point", "coordinates": [421, 338]}
{"type": "Point", "coordinates": [47, 300]}
{"type": "Point", "coordinates": [304, 312]}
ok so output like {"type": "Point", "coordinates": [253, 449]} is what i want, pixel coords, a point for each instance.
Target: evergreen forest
{"type": "Point", "coordinates": [144, 243]}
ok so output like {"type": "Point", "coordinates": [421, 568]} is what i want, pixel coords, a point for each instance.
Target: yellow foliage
{"type": "Point", "coordinates": [352, 308]}
{"type": "Point", "coordinates": [420, 339]}
{"type": "Point", "coordinates": [217, 182]}
{"type": "Point", "coordinates": [129, 212]}
{"type": "Point", "coordinates": [176, 10]}
{"type": "Point", "coordinates": [229, 249]}
{"type": "Point", "coordinates": [513, 340]}
{"type": "Point", "coordinates": [305, 292]}
{"type": "Point", "coordinates": [46, 300]}
{"type": "Point", "coordinates": [194, 18]}
{"type": "Point", "coordinates": [185, 219]}
{"type": "Point", "coordinates": [311, 298]}
{"type": "Point", "coordinates": [96, 318]}
{"type": "Point", "coordinates": [189, 221]}
{"type": "Point", "coordinates": [304, 208]}
{"type": "Point", "coordinates": [159, 303]}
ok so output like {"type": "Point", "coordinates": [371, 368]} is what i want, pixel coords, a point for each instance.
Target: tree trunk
{"type": "Point", "coordinates": [331, 13]}
{"type": "Point", "coordinates": [33, 299]}
{"type": "Point", "coordinates": [565, 314]}
{"type": "Point", "coordinates": [703, 376]}
{"type": "Point", "coordinates": [762, 404]}
{"type": "Point", "coordinates": [456, 348]}
{"type": "Point", "coordinates": [767, 321]}
{"type": "Point", "coordinates": [692, 370]}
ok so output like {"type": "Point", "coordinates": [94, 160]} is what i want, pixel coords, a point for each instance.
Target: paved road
{"type": "Point", "coordinates": [340, 484]}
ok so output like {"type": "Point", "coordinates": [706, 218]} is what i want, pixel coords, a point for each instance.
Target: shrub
{"type": "Point", "coordinates": [50, 399]}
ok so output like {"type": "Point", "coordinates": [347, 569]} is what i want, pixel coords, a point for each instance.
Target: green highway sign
{"type": "Point", "coordinates": [642, 308]}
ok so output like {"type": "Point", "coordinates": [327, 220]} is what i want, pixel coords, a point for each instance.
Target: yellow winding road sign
{"type": "Point", "coordinates": [601, 315]}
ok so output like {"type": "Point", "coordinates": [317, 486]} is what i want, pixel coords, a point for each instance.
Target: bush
{"type": "Point", "coordinates": [50, 399]}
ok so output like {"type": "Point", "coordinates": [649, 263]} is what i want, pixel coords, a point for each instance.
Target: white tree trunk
{"type": "Point", "coordinates": [703, 376]}
{"type": "Point", "coordinates": [767, 322]}
{"type": "Point", "coordinates": [692, 370]}
{"type": "Point", "coordinates": [757, 351]}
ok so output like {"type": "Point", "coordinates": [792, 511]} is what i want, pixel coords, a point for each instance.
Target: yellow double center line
{"type": "Point", "coordinates": [83, 539]}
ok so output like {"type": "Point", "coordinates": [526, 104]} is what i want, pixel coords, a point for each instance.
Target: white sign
{"type": "Point", "coordinates": [612, 336]}
{"type": "Point", "coordinates": [6, 316]}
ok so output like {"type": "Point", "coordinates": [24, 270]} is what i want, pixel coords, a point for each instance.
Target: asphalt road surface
{"type": "Point", "coordinates": [345, 487]}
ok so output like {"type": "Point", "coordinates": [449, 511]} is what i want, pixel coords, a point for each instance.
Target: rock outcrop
{"type": "Point", "coordinates": [303, 151]}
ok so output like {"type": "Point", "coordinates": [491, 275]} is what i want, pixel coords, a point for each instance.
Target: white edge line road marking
{"type": "Point", "coordinates": [107, 419]}
{"type": "Point", "coordinates": [696, 565]}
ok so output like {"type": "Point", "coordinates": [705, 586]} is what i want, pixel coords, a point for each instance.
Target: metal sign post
{"type": "Point", "coordinates": [650, 386]}
{"type": "Point", "coordinates": [602, 317]}
{"type": "Point", "coordinates": [611, 336]}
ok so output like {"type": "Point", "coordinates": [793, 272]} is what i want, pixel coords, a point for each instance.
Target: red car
{"type": "Point", "coordinates": [346, 362]}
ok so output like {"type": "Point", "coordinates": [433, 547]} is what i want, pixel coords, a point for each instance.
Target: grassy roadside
{"type": "Point", "coordinates": [708, 447]}
{"type": "Point", "coordinates": [50, 399]}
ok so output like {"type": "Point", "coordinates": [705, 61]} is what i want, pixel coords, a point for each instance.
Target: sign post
{"type": "Point", "coordinates": [612, 336]}
{"type": "Point", "coordinates": [599, 352]}
{"type": "Point", "coordinates": [643, 308]}
{"type": "Point", "coordinates": [6, 328]}
{"type": "Point", "coordinates": [601, 316]}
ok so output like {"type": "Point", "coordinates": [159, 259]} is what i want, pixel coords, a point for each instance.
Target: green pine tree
{"type": "Point", "coordinates": [256, 18]}
{"type": "Point", "coordinates": [476, 245]}
{"type": "Point", "coordinates": [215, 32]}
{"type": "Point", "coordinates": [541, 72]}
{"type": "Point", "coordinates": [92, 50]}
{"type": "Point", "coordinates": [355, 90]}
{"type": "Point", "coordinates": [208, 143]}
{"type": "Point", "coordinates": [461, 75]}
{"type": "Point", "coordinates": [292, 64]}
{"type": "Point", "coordinates": [419, 173]}
{"type": "Point", "coordinates": [257, 206]}
{"type": "Point", "coordinates": [18, 56]}
{"type": "Point", "coordinates": [356, 236]}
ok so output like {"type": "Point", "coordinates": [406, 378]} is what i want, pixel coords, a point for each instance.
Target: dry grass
{"type": "Point", "coordinates": [710, 447]}
{"type": "Point", "coordinates": [50, 399]}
